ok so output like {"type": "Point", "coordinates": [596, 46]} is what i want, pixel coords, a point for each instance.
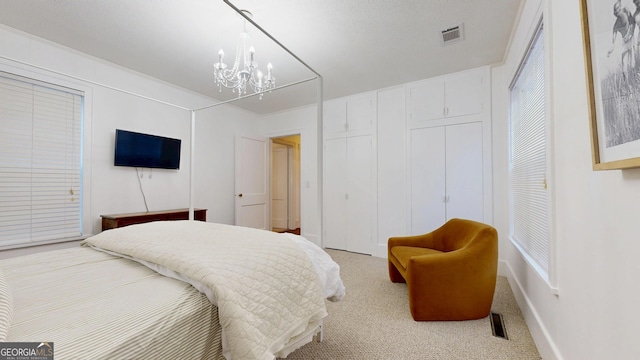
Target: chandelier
{"type": "Point", "coordinates": [244, 71]}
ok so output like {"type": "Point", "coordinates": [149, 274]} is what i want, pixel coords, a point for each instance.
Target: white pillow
{"type": "Point", "coordinates": [6, 308]}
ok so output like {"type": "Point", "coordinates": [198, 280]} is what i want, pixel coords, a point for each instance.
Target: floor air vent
{"type": "Point", "coordinates": [497, 326]}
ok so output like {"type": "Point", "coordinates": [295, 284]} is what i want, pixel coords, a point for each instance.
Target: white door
{"type": "Point", "coordinates": [359, 194]}
{"type": "Point", "coordinates": [294, 185]}
{"type": "Point", "coordinates": [427, 189]}
{"type": "Point", "coordinates": [463, 94]}
{"type": "Point", "coordinates": [446, 178]}
{"type": "Point", "coordinates": [426, 100]}
{"type": "Point", "coordinates": [335, 117]}
{"type": "Point", "coordinates": [348, 185]}
{"type": "Point", "coordinates": [335, 194]}
{"type": "Point", "coordinates": [464, 172]}
{"type": "Point", "coordinates": [361, 111]}
{"type": "Point", "coordinates": [279, 186]}
{"type": "Point", "coordinates": [252, 182]}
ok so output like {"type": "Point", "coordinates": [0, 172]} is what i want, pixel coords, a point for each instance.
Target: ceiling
{"type": "Point", "coordinates": [356, 46]}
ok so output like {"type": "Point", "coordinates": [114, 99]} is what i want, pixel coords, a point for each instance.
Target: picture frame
{"type": "Point", "coordinates": [612, 60]}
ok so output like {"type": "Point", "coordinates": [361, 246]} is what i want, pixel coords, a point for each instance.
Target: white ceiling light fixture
{"type": "Point", "coordinates": [240, 75]}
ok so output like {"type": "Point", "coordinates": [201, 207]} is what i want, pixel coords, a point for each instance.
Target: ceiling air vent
{"type": "Point", "coordinates": [452, 35]}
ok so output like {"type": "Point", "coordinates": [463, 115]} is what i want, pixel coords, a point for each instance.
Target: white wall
{"type": "Point", "coordinates": [217, 128]}
{"type": "Point", "coordinates": [110, 189]}
{"type": "Point", "coordinates": [596, 312]}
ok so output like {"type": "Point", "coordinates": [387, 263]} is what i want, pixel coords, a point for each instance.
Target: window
{"type": "Point", "coordinates": [529, 198]}
{"type": "Point", "coordinates": [40, 162]}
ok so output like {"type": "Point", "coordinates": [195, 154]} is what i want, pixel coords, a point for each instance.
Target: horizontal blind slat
{"type": "Point", "coordinates": [527, 163]}
{"type": "Point", "coordinates": [40, 161]}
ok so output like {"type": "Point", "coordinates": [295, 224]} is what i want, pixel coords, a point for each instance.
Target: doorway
{"type": "Point", "coordinates": [285, 184]}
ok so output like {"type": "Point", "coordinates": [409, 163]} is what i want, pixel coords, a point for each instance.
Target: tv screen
{"type": "Point", "coordinates": [145, 150]}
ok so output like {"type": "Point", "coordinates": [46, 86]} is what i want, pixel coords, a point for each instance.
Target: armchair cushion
{"type": "Point", "coordinates": [404, 253]}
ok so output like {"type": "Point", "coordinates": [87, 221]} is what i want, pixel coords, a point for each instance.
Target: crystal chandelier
{"type": "Point", "coordinates": [240, 75]}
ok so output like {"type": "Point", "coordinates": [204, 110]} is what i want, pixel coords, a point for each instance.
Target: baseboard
{"type": "Point", "coordinates": [380, 251]}
{"type": "Point", "coordinates": [545, 344]}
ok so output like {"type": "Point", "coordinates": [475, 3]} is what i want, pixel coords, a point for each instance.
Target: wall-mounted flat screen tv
{"type": "Point", "coordinates": [145, 150]}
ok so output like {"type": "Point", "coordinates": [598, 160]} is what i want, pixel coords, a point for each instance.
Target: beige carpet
{"type": "Point", "coordinates": [373, 322]}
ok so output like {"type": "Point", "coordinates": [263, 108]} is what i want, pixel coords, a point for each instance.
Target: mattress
{"type": "Point", "coordinates": [93, 305]}
{"type": "Point", "coordinates": [178, 289]}
{"type": "Point", "coordinates": [265, 285]}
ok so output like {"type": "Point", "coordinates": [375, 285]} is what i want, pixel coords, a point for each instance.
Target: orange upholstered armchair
{"type": "Point", "coordinates": [450, 272]}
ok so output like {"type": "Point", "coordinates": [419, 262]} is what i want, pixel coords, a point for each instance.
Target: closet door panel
{"type": "Point", "coordinates": [361, 112]}
{"type": "Point", "coordinates": [335, 117]}
{"type": "Point", "coordinates": [425, 101]}
{"type": "Point", "coordinates": [359, 202]}
{"type": "Point", "coordinates": [464, 171]}
{"type": "Point", "coordinates": [335, 191]}
{"type": "Point", "coordinates": [427, 179]}
{"type": "Point", "coordinates": [463, 94]}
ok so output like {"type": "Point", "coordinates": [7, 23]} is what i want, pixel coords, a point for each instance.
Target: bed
{"type": "Point", "coordinates": [171, 289]}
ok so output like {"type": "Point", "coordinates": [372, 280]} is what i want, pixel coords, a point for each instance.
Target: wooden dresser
{"type": "Point", "coordinates": [120, 220]}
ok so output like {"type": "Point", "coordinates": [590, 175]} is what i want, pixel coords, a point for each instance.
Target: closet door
{"type": "Point", "coordinates": [335, 194]}
{"type": "Point", "coordinates": [446, 175]}
{"type": "Point", "coordinates": [335, 118]}
{"type": "Point", "coordinates": [427, 179]}
{"type": "Point", "coordinates": [463, 94]}
{"type": "Point", "coordinates": [359, 194]}
{"type": "Point", "coordinates": [464, 167]}
{"type": "Point", "coordinates": [361, 112]}
{"type": "Point", "coordinates": [454, 95]}
{"type": "Point", "coordinates": [348, 185]}
{"type": "Point", "coordinates": [426, 100]}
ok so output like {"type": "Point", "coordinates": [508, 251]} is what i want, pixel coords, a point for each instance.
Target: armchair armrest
{"type": "Point", "coordinates": [451, 286]}
{"type": "Point", "coordinates": [424, 241]}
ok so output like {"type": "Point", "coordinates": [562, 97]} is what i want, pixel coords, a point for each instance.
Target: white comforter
{"type": "Point", "coordinates": [264, 284]}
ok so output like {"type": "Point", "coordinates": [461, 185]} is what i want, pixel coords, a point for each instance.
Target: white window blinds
{"type": "Point", "coordinates": [528, 158]}
{"type": "Point", "coordinates": [40, 161]}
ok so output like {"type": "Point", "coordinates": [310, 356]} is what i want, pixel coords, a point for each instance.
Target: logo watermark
{"type": "Point", "coordinates": [26, 351]}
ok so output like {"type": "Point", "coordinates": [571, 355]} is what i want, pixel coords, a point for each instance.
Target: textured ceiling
{"type": "Point", "coordinates": [356, 46]}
